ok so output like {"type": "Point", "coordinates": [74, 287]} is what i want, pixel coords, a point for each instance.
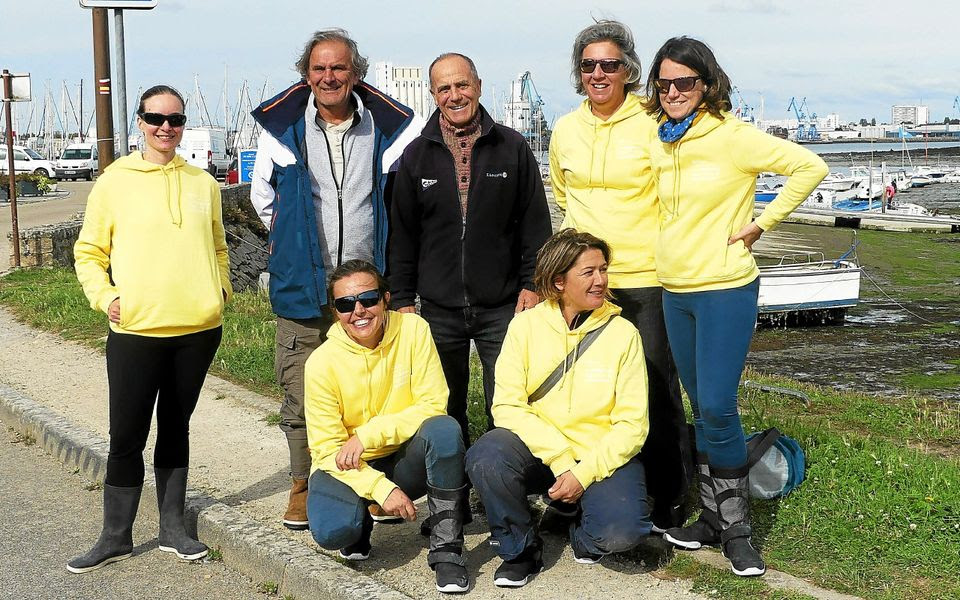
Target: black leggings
{"type": "Point", "coordinates": [142, 369]}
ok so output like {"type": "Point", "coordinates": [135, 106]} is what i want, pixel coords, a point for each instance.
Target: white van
{"type": "Point", "coordinates": [78, 161]}
{"type": "Point", "coordinates": [206, 148]}
{"type": "Point", "coordinates": [26, 160]}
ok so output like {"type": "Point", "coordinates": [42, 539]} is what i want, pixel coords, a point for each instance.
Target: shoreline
{"type": "Point", "coordinates": [918, 156]}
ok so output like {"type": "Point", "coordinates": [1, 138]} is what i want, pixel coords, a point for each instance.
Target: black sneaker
{"type": "Point", "coordinates": [694, 536]}
{"type": "Point", "coordinates": [360, 550]}
{"type": "Point", "coordinates": [451, 578]}
{"type": "Point", "coordinates": [744, 559]}
{"type": "Point", "coordinates": [585, 558]}
{"type": "Point", "coordinates": [517, 572]}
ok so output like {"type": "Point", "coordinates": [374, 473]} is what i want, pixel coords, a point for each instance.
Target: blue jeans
{"type": "Point", "coordinates": [710, 335]}
{"type": "Point", "coordinates": [434, 456]}
{"type": "Point", "coordinates": [614, 515]}
{"type": "Point", "coordinates": [452, 330]}
{"type": "Point", "coordinates": [666, 452]}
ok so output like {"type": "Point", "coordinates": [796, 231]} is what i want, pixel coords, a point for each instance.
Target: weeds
{"type": "Point", "coordinates": [269, 588]}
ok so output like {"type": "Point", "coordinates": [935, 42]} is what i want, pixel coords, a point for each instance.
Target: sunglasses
{"type": "Point", "coordinates": [683, 84]}
{"type": "Point", "coordinates": [346, 304]}
{"type": "Point", "coordinates": [157, 119]}
{"type": "Point", "coordinates": [607, 65]}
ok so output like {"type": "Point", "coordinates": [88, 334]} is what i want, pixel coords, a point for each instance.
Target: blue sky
{"type": "Point", "coordinates": [854, 58]}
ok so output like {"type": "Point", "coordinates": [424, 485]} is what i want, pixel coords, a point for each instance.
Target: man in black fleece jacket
{"type": "Point", "coordinates": [469, 214]}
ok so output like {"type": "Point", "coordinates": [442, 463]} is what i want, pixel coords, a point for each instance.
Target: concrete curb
{"type": "Point", "coordinates": [254, 550]}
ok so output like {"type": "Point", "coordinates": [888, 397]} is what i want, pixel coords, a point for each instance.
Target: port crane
{"type": "Point", "coordinates": [525, 112]}
{"type": "Point", "coordinates": [956, 104]}
{"type": "Point", "coordinates": [743, 110]}
{"type": "Point", "coordinates": [806, 124]}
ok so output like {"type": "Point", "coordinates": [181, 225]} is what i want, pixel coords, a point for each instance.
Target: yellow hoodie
{"type": "Point", "coordinates": [600, 172]}
{"type": "Point", "coordinates": [159, 230]}
{"type": "Point", "coordinates": [706, 183]}
{"type": "Point", "coordinates": [382, 395]}
{"type": "Point", "coordinates": [594, 419]}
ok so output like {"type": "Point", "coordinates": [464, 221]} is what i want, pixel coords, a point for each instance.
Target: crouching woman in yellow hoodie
{"type": "Point", "coordinates": [705, 165]}
{"type": "Point", "coordinates": [570, 408]}
{"type": "Point", "coordinates": [375, 407]}
{"type": "Point", "coordinates": [152, 256]}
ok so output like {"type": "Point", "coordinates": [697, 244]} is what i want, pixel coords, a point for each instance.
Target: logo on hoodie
{"type": "Point", "coordinates": [503, 175]}
{"type": "Point", "coordinates": [427, 182]}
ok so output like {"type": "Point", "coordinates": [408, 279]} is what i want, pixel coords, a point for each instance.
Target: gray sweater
{"type": "Point", "coordinates": [344, 209]}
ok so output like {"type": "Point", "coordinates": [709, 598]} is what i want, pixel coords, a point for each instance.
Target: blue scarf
{"type": "Point", "coordinates": [671, 131]}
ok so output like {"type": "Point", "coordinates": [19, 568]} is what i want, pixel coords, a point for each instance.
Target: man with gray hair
{"type": "Point", "coordinates": [324, 164]}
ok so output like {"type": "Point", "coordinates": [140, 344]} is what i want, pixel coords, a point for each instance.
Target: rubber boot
{"type": "Point", "coordinates": [171, 496]}
{"type": "Point", "coordinates": [116, 539]}
{"type": "Point", "coordinates": [732, 494]}
{"type": "Point", "coordinates": [705, 531]}
{"type": "Point", "coordinates": [446, 538]}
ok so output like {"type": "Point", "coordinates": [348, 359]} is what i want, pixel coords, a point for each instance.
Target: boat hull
{"type": "Point", "coordinates": [824, 285]}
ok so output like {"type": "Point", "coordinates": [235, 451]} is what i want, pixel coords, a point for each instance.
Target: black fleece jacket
{"type": "Point", "coordinates": [485, 259]}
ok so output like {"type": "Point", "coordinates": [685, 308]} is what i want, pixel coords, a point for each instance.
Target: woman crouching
{"type": "Point", "coordinates": [375, 403]}
{"type": "Point", "coordinates": [570, 408]}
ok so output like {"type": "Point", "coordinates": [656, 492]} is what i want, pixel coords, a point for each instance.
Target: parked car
{"type": "Point", "coordinates": [233, 173]}
{"type": "Point", "coordinates": [26, 160]}
{"type": "Point", "coordinates": [78, 161]}
{"type": "Point", "coordinates": [206, 148]}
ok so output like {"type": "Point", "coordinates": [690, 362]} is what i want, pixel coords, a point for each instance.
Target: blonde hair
{"type": "Point", "coordinates": [558, 255]}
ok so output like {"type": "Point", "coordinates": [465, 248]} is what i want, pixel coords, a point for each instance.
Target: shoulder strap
{"type": "Point", "coordinates": [557, 374]}
{"type": "Point", "coordinates": [764, 441]}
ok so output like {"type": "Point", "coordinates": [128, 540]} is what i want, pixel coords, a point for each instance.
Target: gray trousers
{"type": "Point", "coordinates": [296, 339]}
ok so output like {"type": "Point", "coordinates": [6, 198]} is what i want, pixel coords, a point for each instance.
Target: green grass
{"type": "Point", "coordinates": [878, 517]}
{"type": "Point", "coordinates": [945, 380]}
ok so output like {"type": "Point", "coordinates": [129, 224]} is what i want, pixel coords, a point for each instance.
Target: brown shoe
{"type": "Point", "coordinates": [296, 516]}
{"type": "Point", "coordinates": [381, 516]}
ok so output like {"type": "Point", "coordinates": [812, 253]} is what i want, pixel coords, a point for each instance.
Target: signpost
{"type": "Point", "coordinates": [245, 166]}
{"type": "Point", "coordinates": [16, 88]}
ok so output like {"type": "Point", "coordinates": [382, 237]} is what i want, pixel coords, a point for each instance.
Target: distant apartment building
{"type": "Point", "coordinates": [407, 85]}
{"type": "Point", "coordinates": [912, 114]}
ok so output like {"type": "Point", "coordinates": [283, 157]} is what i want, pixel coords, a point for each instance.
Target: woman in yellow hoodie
{"type": "Point", "coordinates": [375, 407]}
{"type": "Point", "coordinates": [601, 177]}
{"type": "Point", "coordinates": [706, 165]}
{"type": "Point", "coordinates": [152, 255]}
{"type": "Point", "coordinates": [571, 412]}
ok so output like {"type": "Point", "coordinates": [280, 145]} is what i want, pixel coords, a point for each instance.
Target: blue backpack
{"type": "Point", "coordinates": [777, 464]}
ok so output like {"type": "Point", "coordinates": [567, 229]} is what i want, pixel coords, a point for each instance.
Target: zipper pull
{"type": "Point", "coordinates": [463, 229]}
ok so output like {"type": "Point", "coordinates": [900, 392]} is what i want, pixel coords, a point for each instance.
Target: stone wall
{"type": "Point", "coordinates": [52, 245]}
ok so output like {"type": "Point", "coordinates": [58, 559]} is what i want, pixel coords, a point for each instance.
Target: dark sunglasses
{"type": "Point", "coordinates": [346, 304]}
{"type": "Point", "coordinates": [157, 119]}
{"type": "Point", "coordinates": [607, 65]}
{"type": "Point", "coordinates": [683, 84]}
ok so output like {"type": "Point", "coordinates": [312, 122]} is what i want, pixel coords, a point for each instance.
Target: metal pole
{"type": "Point", "coordinates": [11, 173]}
{"type": "Point", "coordinates": [101, 74]}
{"type": "Point", "coordinates": [121, 82]}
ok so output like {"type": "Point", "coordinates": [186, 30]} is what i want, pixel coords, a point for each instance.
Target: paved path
{"type": "Point", "coordinates": [47, 516]}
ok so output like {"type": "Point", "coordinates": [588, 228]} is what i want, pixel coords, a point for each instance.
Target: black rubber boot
{"type": "Point", "coordinates": [732, 494]}
{"type": "Point", "coordinates": [705, 531]}
{"type": "Point", "coordinates": [171, 496]}
{"type": "Point", "coordinates": [446, 538]}
{"type": "Point", "coordinates": [116, 539]}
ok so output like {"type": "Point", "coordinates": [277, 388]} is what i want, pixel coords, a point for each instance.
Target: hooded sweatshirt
{"type": "Point", "coordinates": [595, 418]}
{"type": "Point", "coordinates": [601, 177]}
{"type": "Point", "coordinates": [706, 183]}
{"type": "Point", "coordinates": [159, 230]}
{"type": "Point", "coordinates": [383, 395]}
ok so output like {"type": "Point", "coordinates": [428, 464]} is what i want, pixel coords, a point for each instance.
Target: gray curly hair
{"type": "Point", "coordinates": [359, 64]}
{"type": "Point", "coordinates": [616, 33]}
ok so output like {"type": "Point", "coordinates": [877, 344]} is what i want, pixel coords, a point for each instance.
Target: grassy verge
{"type": "Point", "coordinates": [878, 517]}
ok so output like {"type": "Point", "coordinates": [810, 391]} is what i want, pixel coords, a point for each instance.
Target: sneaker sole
{"type": "Point", "coordinates": [586, 561]}
{"type": "Point", "coordinates": [453, 588]}
{"type": "Point", "coordinates": [503, 582]}
{"type": "Point", "coordinates": [386, 519]}
{"type": "Point", "coordinates": [748, 572]}
{"type": "Point", "coordinates": [356, 556]}
{"type": "Point", "coordinates": [296, 525]}
{"type": "Point", "coordinates": [173, 550]}
{"type": "Point", "coordinates": [682, 544]}
{"type": "Point", "coordinates": [103, 563]}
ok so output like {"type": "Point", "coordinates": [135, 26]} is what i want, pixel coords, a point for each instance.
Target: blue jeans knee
{"type": "Point", "coordinates": [335, 512]}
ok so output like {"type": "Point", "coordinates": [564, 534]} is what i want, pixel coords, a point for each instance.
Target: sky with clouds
{"type": "Point", "coordinates": [854, 58]}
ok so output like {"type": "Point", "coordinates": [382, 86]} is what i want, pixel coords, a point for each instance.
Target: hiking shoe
{"type": "Point", "coordinates": [744, 559]}
{"type": "Point", "coordinates": [517, 572]}
{"type": "Point", "coordinates": [296, 516]}
{"type": "Point", "coordinates": [694, 536]}
{"type": "Point", "coordinates": [451, 578]}
{"type": "Point", "coordinates": [380, 516]}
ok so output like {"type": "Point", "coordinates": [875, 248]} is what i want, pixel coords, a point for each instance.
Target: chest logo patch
{"type": "Point", "coordinates": [503, 174]}
{"type": "Point", "coordinates": [427, 182]}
